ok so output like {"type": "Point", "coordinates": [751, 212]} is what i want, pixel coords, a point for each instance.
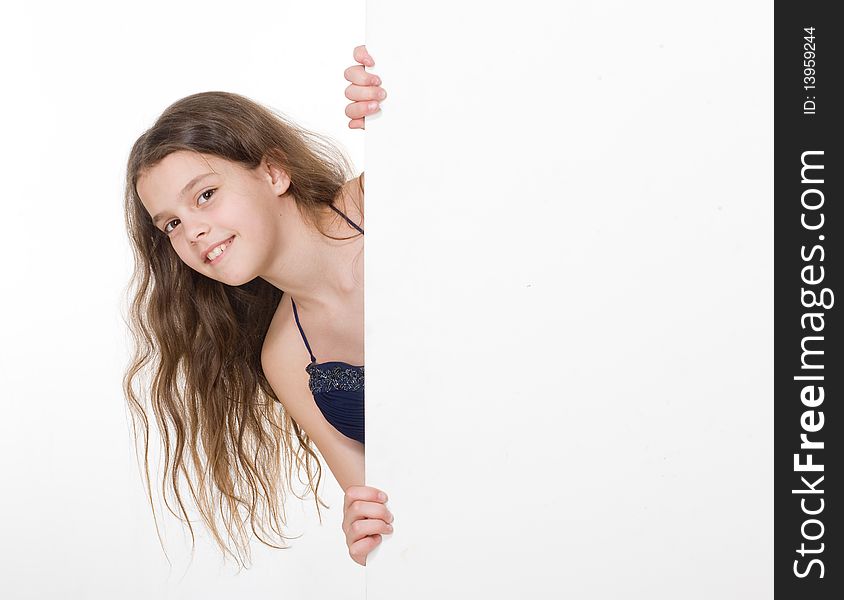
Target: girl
{"type": "Point", "coordinates": [235, 215]}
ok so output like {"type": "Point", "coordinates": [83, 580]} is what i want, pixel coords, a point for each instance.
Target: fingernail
{"type": "Point", "coordinates": [377, 81]}
{"type": "Point", "coordinates": [381, 495]}
{"type": "Point", "coordinates": [373, 106]}
{"type": "Point", "coordinates": [382, 94]}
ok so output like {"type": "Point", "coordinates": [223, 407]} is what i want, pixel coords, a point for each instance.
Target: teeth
{"type": "Point", "coordinates": [216, 251]}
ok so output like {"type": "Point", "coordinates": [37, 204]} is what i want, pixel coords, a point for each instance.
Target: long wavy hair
{"type": "Point", "coordinates": [196, 359]}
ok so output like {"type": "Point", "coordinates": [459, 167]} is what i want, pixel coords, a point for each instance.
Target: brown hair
{"type": "Point", "coordinates": [199, 340]}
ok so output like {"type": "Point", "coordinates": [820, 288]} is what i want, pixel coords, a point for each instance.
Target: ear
{"type": "Point", "coordinates": [277, 177]}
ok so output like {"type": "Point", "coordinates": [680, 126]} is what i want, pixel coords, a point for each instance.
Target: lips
{"type": "Point", "coordinates": [212, 246]}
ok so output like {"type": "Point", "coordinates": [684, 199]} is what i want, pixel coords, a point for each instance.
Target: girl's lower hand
{"type": "Point", "coordinates": [365, 518]}
{"type": "Point", "coordinates": [365, 89]}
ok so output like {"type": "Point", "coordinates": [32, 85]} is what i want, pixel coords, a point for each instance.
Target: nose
{"type": "Point", "coordinates": [195, 230]}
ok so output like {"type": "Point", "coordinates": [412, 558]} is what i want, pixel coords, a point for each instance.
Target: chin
{"type": "Point", "coordinates": [239, 282]}
{"type": "Point", "coordinates": [226, 280]}
{"type": "Point", "coordinates": [234, 281]}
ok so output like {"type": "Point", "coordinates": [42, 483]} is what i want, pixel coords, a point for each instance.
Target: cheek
{"type": "Point", "coordinates": [185, 255]}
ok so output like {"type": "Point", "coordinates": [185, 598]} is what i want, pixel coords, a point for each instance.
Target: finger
{"type": "Point", "coordinates": [358, 110]}
{"type": "Point", "coordinates": [358, 75]}
{"type": "Point", "coordinates": [365, 92]}
{"type": "Point", "coordinates": [362, 492]}
{"type": "Point", "coordinates": [362, 56]}
{"type": "Point", "coordinates": [364, 527]}
{"type": "Point", "coordinates": [358, 528]}
{"type": "Point", "coordinates": [360, 549]}
{"type": "Point", "coordinates": [361, 509]}
{"type": "Point", "coordinates": [357, 124]}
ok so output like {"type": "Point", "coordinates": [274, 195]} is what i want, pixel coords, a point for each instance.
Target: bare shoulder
{"type": "Point", "coordinates": [283, 359]}
{"type": "Point", "coordinates": [353, 191]}
{"type": "Point", "coordinates": [283, 353]}
{"type": "Point", "coordinates": [276, 342]}
{"type": "Point", "coordinates": [280, 363]}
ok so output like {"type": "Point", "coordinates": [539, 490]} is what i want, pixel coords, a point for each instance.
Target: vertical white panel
{"type": "Point", "coordinates": [569, 299]}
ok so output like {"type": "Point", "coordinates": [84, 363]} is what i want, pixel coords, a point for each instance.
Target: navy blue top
{"type": "Point", "coordinates": [337, 387]}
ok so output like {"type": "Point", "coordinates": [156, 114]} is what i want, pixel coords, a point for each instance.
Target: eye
{"type": "Point", "coordinates": [167, 231]}
{"type": "Point", "coordinates": [202, 195]}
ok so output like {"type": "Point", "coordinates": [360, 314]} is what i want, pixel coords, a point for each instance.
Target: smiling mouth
{"type": "Point", "coordinates": [216, 259]}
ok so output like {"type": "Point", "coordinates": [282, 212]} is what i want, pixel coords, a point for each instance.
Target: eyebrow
{"type": "Point", "coordinates": [184, 191]}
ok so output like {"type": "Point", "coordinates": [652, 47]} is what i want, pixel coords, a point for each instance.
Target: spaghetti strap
{"type": "Point", "coordinates": [352, 223]}
{"type": "Point", "coordinates": [296, 312]}
{"type": "Point", "coordinates": [307, 345]}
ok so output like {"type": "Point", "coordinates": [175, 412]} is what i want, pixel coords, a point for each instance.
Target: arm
{"type": "Point", "coordinates": [344, 456]}
{"type": "Point", "coordinates": [365, 515]}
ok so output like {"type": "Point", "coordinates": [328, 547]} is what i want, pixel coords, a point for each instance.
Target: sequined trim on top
{"type": "Point", "coordinates": [335, 377]}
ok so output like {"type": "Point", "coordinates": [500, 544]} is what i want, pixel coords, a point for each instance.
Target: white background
{"type": "Point", "coordinates": [81, 81]}
{"type": "Point", "coordinates": [569, 294]}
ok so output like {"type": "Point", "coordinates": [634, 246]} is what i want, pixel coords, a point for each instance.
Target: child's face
{"type": "Point", "coordinates": [226, 202]}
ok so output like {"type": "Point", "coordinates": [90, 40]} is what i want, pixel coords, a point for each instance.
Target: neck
{"type": "Point", "coordinates": [317, 272]}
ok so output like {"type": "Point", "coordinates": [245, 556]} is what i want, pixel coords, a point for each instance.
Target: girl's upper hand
{"type": "Point", "coordinates": [365, 89]}
{"type": "Point", "coordinates": [365, 517]}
